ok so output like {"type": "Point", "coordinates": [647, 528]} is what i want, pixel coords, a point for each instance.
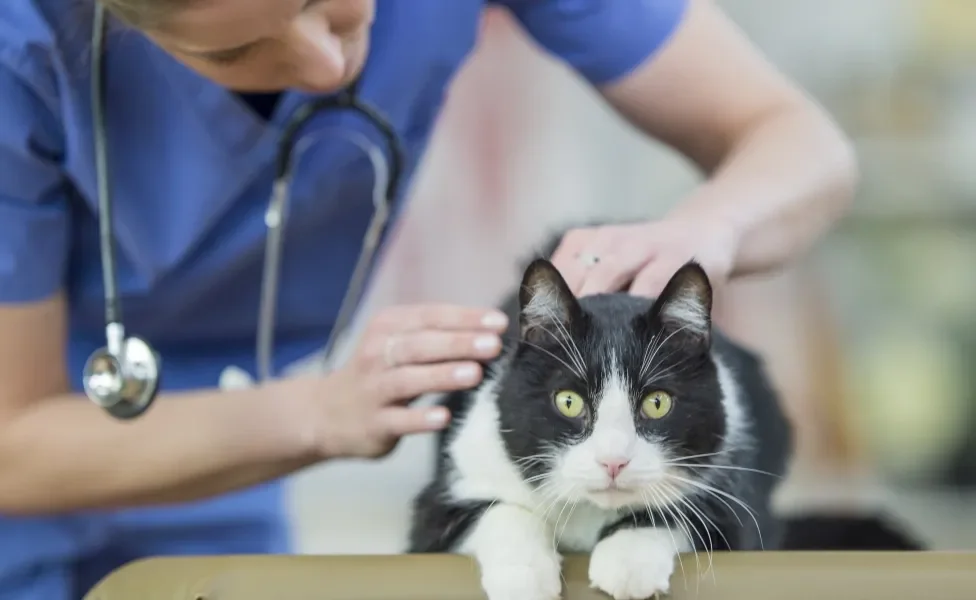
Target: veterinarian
{"type": "Point", "coordinates": [197, 92]}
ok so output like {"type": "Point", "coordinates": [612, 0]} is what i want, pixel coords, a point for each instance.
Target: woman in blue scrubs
{"type": "Point", "coordinates": [198, 92]}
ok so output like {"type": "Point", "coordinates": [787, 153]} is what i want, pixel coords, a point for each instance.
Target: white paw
{"type": "Point", "coordinates": [515, 554]}
{"type": "Point", "coordinates": [539, 578]}
{"type": "Point", "coordinates": [633, 564]}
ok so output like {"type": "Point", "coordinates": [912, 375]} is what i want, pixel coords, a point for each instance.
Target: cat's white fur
{"type": "Point", "coordinates": [544, 304]}
{"type": "Point", "coordinates": [685, 307]}
{"type": "Point", "coordinates": [517, 542]}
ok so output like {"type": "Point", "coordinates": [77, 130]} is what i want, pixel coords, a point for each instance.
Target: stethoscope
{"type": "Point", "coordinates": [123, 377]}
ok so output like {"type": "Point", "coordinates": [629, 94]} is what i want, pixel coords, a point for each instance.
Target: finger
{"type": "Point", "coordinates": [571, 244]}
{"type": "Point", "coordinates": [410, 381]}
{"type": "Point", "coordinates": [397, 421]}
{"type": "Point", "coordinates": [447, 317]}
{"type": "Point", "coordinates": [566, 258]}
{"type": "Point", "coordinates": [608, 276]}
{"type": "Point", "coordinates": [650, 281]}
{"type": "Point", "coordinates": [431, 346]}
{"type": "Point", "coordinates": [573, 272]}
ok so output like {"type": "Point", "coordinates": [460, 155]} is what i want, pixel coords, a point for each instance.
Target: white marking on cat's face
{"type": "Point", "coordinates": [614, 466]}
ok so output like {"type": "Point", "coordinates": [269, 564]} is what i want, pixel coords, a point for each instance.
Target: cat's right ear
{"type": "Point", "coordinates": [686, 303]}
{"type": "Point", "coordinates": [545, 302]}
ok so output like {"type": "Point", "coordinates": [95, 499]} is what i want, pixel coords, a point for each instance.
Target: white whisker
{"type": "Point", "coordinates": [577, 368]}
{"type": "Point", "coordinates": [663, 342]}
{"type": "Point", "coordinates": [728, 468]}
{"type": "Point", "coordinates": [706, 455]}
{"type": "Point", "coordinates": [562, 529]}
{"type": "Point", "coordinates": [573, 350]}
{"type": "Point", "coordinates": [662, 503]}
{"type": "Point", "coordinates": [715, 492]}
{"type": "Point", "coordinates": [561, 361]}
{"type": "Point", "coordinates": [705, 521]}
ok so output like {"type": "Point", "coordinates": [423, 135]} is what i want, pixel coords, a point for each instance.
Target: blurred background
{"type": "Point", "coordinates": [871, 340]}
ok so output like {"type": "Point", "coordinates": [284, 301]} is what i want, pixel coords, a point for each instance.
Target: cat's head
{"type": "Point", "coordinates": [610, 398]}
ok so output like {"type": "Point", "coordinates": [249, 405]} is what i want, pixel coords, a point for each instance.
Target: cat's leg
{"type": "Point", "coordinates": [515, 553]}
{"type": "Point", "coordinates": [438, 526]}
{"type": "Point", "coordinates": [635, 563]}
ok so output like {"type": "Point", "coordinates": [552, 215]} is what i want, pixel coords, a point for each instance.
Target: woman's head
{"type": "Point", "coordinates": [259, 45]}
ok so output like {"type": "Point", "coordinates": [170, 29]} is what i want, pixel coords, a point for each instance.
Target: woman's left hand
{"type": "Point", "coordinates": [642, 257]}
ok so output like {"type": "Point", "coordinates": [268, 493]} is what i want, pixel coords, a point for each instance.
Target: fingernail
{"type": "Point", "coordinates": [467, 373]}
{"type": "Point", "coordinates": [495, 320]}
{"type": "Point", "coordinates": [437, 416]}
{"type": "Point", "coordinates": [485, 343]}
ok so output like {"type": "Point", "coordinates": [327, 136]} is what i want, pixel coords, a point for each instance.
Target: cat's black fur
{"type": "Point", "coordinates": [625, 324]}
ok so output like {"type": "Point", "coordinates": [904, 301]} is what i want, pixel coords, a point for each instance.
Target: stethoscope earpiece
{"type": "Point", "coordinates": [124, 386]}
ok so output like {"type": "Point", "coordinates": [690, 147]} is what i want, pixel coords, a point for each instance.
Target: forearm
{"type": "Point", "coordinates": [780, 187]}
{"type": "Point", "coordinates": [65, 454]}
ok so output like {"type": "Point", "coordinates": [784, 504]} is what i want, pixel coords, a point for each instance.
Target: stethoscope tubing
{"type": "Point", "coordinates": [275, 219]}
{"type": "Point", "coordinates": [116, 341]}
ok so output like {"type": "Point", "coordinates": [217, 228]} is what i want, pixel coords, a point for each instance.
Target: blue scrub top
{"type": "Point", "coordinates": [191, 167]}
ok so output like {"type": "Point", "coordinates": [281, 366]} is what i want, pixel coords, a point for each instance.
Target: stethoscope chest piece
{"type": "Point", "coordinates": [124, 384]}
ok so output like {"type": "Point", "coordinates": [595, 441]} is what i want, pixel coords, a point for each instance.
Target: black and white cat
{"type": "Point", "coordinates": [612, 425]}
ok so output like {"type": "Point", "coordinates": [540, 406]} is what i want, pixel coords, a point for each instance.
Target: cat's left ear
{"type": "Point", "coordinates": [685, 305]}
{"type": "Point", "coordinates": [545, 302]}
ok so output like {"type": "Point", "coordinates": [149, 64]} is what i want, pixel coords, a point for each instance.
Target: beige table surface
{"type": "Point", "coordinates": [738, 576]}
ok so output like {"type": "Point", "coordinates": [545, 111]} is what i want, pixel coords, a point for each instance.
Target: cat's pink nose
{"type": "Point", "coordinates": [614, 466]}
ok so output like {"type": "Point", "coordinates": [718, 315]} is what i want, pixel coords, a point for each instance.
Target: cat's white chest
{"type": "Point", "coordinates": [577, 528]}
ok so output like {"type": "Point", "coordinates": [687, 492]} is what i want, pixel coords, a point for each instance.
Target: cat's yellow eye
{"type": "Point", "coordinates": [569, 403]}
{"type": "Point", "coordinates": [657, 405]}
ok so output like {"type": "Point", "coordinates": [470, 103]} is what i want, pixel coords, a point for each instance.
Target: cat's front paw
{"type": "Point", "coordinates": [633, 564]}
{"type": "Point", "coordinates": [515, 554]}
{"type": "Point", "coordinates": [535, 578]}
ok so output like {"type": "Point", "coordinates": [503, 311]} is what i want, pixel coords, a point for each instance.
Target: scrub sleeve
{"type": "Point", "coordinates": [34, 221]}
{"type": "Point", "coordinates": [602, 40]}
{"type": "Point", "coordinates": [34, 231]}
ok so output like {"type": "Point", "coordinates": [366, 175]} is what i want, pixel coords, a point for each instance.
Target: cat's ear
{"type": "Point", "coordinates": [685, 305]}
{"type": "Point", "coordinates": [545, 302]}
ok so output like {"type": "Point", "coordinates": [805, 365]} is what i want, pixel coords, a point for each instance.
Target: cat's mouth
{"type": "Point", "coordinates": [613, 495]}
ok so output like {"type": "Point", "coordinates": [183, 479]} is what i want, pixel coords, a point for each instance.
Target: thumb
{"type": "Point", "coordinates": [397, 421]}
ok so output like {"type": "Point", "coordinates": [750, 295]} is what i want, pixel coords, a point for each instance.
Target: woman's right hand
{"type": "Point", "coordinates": [361, 410]}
